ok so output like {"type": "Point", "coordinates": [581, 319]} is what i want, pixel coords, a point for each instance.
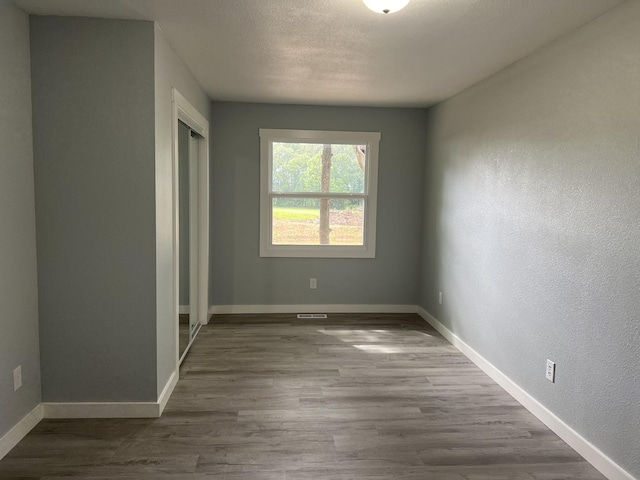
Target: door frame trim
{"type": "Point", "coordinates": [183, 111]}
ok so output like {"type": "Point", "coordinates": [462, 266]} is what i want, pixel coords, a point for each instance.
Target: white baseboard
{"type": "Point", "coordinates": [20, 430]}
{"type": "Point", "coordinates": [184, 309]}
{"type": "Point", "coordinates": [86, 410]}
{"type": "Point", "coordinates": [112, 409]}
{"type": "Point", "coordinates": [167, 391]}
{"type": "Point", "coordinates": [347, 308]}
{"type": "Point", "coordinates": [591, 453]}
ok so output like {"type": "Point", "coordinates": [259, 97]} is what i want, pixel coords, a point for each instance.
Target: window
{"type": "Point", "coordinates": [318, 193]}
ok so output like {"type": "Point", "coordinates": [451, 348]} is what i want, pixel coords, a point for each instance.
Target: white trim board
{"type": "Point", "coordinates": [347, 308]}
{"type": "Point", "coordinates": [86, 410]}
{"type": "Point", "coordinates": [112, 409]}
{"type": "Point", "coordinates": [167, 391]}
{"type": "Point", "coordinates": [182, 110]}
{"type": "Point", "coordinates": [20, 430]}
{"type": "Point", "coordinates": [590, 452]}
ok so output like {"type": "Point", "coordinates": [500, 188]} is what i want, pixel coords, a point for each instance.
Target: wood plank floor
{"type": "Point", "coordinates": [359, 397]}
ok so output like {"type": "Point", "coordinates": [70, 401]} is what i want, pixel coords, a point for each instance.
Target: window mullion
{"type": "Point", "coordinates": [329, 195]}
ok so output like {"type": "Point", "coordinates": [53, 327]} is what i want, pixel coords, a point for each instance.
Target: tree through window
{"type": "Point", "coordinates": [318, 193]}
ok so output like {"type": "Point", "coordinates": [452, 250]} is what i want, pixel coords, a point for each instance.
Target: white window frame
{"type": "Point", "coordinates": [270, 136]}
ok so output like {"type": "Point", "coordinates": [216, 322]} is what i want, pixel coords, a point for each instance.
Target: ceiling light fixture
{"type": "Point", "coordinates": [386, 6]}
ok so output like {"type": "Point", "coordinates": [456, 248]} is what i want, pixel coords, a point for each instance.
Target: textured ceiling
{"type": "Point", "coordinates": [337, 52]}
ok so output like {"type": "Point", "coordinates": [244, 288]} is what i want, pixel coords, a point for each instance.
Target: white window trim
{"type": "Point", "coordinates": [371, 140]}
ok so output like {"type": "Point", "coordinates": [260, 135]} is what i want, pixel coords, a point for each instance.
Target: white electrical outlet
{"type": "Point", "coordinates": [440, 298]}
{"type": "Point", "coordinates": [551, 371]}
{"type": "Point", "coordinates": [17, 378]}
{"type": "Point", "coordinates": [313, 283]}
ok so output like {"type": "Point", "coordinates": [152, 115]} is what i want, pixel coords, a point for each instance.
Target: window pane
{"type": "Point", "coordinates": [297, 221]}
{"type": "Point", "coordinates": [312, 167]}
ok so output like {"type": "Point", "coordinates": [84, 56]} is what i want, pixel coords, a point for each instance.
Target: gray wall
{"type": "Point", "coordinates": [18, 282]}
{"type": "Point", "coordinates": [533, 225]}
{"type": "Point", "coordinates": [240, 277]}
{"type": "Point", "coordinates": [170, 71]}
{"type": "Point", "coordinates": [93, 120]}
